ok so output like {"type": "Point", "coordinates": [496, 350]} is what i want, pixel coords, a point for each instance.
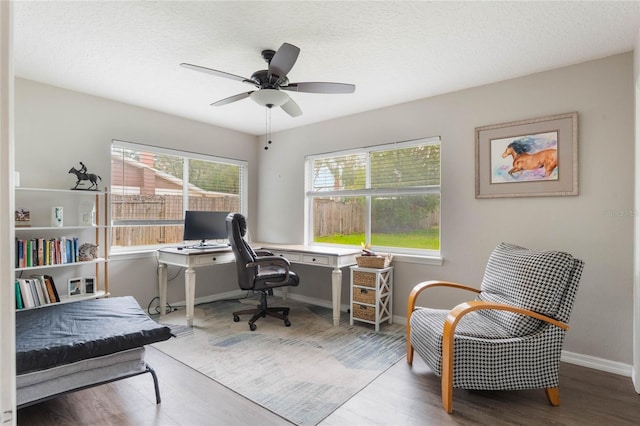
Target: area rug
{"type": "Point", "coordinates": [302, 373]}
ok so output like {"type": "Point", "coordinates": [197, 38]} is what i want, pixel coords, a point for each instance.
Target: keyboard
{"type": "Point", "coordinates": [210, 247]}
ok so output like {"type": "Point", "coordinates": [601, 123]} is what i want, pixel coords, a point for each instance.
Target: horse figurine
{"type": "Point", "coordinates": [83, 175]}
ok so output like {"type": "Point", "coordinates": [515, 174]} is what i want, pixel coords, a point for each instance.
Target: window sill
{"type": "Point", "coordinates": [418, 259]}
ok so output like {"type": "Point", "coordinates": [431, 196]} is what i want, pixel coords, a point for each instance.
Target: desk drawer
{"type": "Point", "coordinates": [315, 260]}
{"type": "Point", "coordinates": [308, 259]}
{"type": "Point", "coordinates": [211, 259]}
{"type": "Point", "coordinates": [291, 257]}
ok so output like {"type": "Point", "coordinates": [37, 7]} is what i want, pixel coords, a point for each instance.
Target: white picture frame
{"type": "Point", "coordinates": [75, 286]}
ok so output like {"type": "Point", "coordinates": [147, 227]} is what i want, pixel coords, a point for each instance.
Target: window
{"type": "Point", "coordinates": [387, 195]}
{"type": "Point", "coordinates": [152, 187]}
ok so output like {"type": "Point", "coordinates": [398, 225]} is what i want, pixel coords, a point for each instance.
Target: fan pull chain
{"type": "Point", "coordinates": [267, 126]}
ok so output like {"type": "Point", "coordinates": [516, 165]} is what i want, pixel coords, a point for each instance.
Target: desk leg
{"type": "Point", "coordinates": [162, 287]}
{"type": "Point", "coordinates": [190, 293]}
{"type": "Point", "coordinates": [336, 292]}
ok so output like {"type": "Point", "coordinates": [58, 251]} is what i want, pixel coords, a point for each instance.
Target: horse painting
{"type": "Point", "coordinates": [91, 177]}
{"type": "Point", "coordinates": [547, 158]}
{"type": "Point", "coordinates": [523, 160]}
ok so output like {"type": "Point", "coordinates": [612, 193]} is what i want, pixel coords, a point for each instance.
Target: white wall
{"type": "Point", "coordinates": [57, 128]}
{"type": "Point", "coordinates": [596, 226]}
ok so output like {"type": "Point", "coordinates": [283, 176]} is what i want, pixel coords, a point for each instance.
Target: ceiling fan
{"type": "Point", "coordinates": [272, 81]}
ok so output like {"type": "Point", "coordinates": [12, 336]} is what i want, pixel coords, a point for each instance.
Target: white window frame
{"type": "Point", "coordinates": [368, 192]}
{"type": "Point", "coordinates": [243, 196]}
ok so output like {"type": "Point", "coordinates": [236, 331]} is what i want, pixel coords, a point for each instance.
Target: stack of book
{"type": "Point", "coordinates": [42, 251]}
{"type": "Point", "coordinates": [35, 291]}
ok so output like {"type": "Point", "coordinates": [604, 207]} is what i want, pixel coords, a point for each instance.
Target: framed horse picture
{"type": "Point", "coordinates": [528, 158]}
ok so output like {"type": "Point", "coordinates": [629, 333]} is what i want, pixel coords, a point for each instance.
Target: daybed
{"type": "Point", "coordinates": [73, 346]}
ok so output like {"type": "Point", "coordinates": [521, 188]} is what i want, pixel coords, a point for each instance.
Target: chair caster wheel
{"type": "Point", "coordinates": [252, 327]}
{"type": "Point", "coordinates": [287, 323]}
{"type": "Point", "coordinates": [236, 318]}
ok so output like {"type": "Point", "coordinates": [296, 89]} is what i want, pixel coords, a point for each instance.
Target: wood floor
{"type": "Point", "coordinates": [403, 395]}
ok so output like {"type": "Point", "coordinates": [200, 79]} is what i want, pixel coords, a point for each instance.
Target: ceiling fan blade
{"type": "Point", "coordinates": [283, 60]}
{"type": "Point", "coordinates": [233, 98]}
{"type": "Point", "coordinates": [320, 87]}
{"type": "Point", "coordinates": [291, 108]}
{"type": "Point", "coordinates": [218, 73]}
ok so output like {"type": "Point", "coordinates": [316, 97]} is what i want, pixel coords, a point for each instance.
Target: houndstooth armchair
{"type": "Point", "coordinates": [510, 337]}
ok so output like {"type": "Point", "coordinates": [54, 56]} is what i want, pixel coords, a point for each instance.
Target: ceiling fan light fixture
{"type": "Point", "coordinates": [269, 97]}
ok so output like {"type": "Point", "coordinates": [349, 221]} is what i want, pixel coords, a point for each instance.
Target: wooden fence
{"type": "Point", "coordinates": [336, 217]}
{"type": "Point", "coordinates": [159, 207]}
{"type": "Point", "coordinates": [330, 217]}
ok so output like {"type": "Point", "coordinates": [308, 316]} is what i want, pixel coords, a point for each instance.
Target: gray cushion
{"type": "Point", "coordinates": [529, 279]}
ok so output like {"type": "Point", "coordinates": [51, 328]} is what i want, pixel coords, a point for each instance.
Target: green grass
{"type": "Point", "coordinates": [428, 239]}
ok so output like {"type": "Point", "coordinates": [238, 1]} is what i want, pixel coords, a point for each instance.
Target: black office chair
{"type": "Point", "coordinates": [258, 271]}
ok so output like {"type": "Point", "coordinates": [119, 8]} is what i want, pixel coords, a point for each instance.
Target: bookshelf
{"type": "Point", "coordinates": [48, 240]}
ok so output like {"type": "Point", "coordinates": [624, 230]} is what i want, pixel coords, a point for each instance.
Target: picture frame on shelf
{"type": "Point", "coordinates": [528, 158]}
{"type": "Point", "coordinates": [22, 217]}
{"type": "Point", "coordinates": [89, 285]}
{"type": "Point", "coordinates": [76, 286]}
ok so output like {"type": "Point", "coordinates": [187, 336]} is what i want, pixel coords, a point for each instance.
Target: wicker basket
{"type": "Point", "coordinates": [364, 295]}
{"type": "Point", "coordinates": [374, 261]}
{"type": "Point", "coordinates": [367, 279]}
{"type": "Point", "coordinates": [364, 312]}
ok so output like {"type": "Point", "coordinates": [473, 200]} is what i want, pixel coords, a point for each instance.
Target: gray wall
{"type": "Point", "coordinates": [602, 92]}
{"type": "Point", "coordinates": [56, 128]}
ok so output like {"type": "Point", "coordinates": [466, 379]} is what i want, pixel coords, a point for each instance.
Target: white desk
{"type": "Point", "coordinates": [191, 259]}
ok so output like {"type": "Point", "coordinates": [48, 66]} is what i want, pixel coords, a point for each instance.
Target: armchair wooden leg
{"type": "Point", "coordinates": [447, 393]}
{"type": "Point", "coordinates": [409, 353]}
{"type": "Point", "coordinates": [447, 367]}
{"type": "Point", "coordinates": [409, 345]}
{"type": "Point", "coordinates": [553, 394]}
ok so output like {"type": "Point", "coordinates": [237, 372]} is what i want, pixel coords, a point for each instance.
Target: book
{"type": "Point", "coordinates": [76, 249]}
{"type": "Point", "coordinates": [43, 294]}
{"type": "Point", "coordinates": [40, 252]}
{"type": "Point", "coordinates": [29, 253]}
{"type": "Point", "coordinates": [25, 291]}
{"type": "Point", "coordinates": [51, 288]}
{"type": "Point", "coordinates": [19, 303]}
{"type": "Point", "coordinates": [20, 253]}
{"type": "Point", "coordinates": [34, 292]}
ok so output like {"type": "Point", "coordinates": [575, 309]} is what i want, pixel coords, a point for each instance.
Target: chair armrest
{"type": "Point", "coordinates": [419, 288]}
{"type": "Point", "coordinates": [411, 305]}
{"type": "Point", "coordinates": [272, 261]}
{"type": "Point", "coordinates": [262, 252]}
{"type": "Point", "coordinates": [464, 308]}
{"type": "Point", "coordinates": [449, 330]}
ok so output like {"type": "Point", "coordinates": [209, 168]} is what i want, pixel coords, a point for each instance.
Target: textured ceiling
{"type": "Point", "coordinates": [392, 51]}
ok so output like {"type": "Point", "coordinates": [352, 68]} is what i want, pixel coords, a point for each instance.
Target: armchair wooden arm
{"type": "Point", "coordinates": [411, 305]}
{"type": "Point", "coordinates": [447, 344]}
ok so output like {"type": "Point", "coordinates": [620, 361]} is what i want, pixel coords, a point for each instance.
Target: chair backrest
{"type": "Point", "coordinates": [244, 254]}
{"type": "Point", "coordinates": [544, 281]}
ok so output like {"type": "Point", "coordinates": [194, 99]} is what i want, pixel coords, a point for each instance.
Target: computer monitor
{"type": "Point", "coordinates": [205, 225]}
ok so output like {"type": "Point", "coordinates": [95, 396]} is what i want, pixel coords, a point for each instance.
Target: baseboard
{"type": "Point", "coordinates": [597, 363]}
